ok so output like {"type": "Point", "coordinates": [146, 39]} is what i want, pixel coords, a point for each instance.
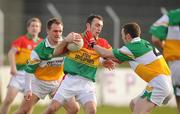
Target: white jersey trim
{"type": "Point", "coordinates": [34, 55]}
{"type": "Point", "coordinates": [173, 33]}
{"type": "Point", "coordinates": [127, 52]}
{"type": "Point", "coordinates": [164, 20]}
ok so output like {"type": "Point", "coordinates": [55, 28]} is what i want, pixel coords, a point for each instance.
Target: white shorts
{"type": "Point", "coordinates": [159, 90]}
{"type": "Point", "coordinates": [43, 88]}
{"type": "Point", "coordinates": [18, 81]}
{"type": "Point", "coordinates": [175, 71]}
{"type": "Point", "coordinates": [76, 86]}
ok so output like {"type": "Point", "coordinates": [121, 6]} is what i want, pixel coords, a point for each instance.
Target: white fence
{"type": "Point", "coordinates": [115, 87]}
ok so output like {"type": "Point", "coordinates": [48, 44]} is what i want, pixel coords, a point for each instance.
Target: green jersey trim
{"type": "Point", "coordinates": [147, 95]}
{"type": "Point", "coordinates": [20, 67]}
{"type": "Point", "coordinates": [77, 68]}
{"type": "Point", "coordinates": [43, 52]}
{"type": "Point", "coordinates": [136, 48]}
{"type": "Point", "coordinates": [159, 31]}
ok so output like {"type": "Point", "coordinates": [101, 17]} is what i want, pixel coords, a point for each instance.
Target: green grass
{"type": "Point", "coordinates": [107, 110]}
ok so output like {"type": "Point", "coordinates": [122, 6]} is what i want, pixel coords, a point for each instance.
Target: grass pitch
{"type": "Point", "coordinates": [106, 110]}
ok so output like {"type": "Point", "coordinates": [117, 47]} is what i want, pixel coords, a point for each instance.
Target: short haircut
{"type": "Point", "coordinates": [133, 29]}
{"type": "Point", "coordinates": [53, 21]}
{"type": "Point", "coordinates": [34, 19]}
{"type": "Point", "coordinates": [92, 16]}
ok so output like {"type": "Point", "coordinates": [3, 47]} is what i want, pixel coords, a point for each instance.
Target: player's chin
{"type": "Point", "coordinates": [57, 38]}
{"type": "Point", "coordinates": [97, 34]}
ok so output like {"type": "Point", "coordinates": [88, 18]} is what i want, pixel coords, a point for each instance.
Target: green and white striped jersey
{"type": "Point", "coordinates": [145, 59]}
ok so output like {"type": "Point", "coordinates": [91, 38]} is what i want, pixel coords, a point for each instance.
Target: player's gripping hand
{"type": "Point", "coordinates": [90, 39]}
{"type": "Point", "coordinates": [109, 64]}
{"type": "Point", "coordinates": [28, 95]}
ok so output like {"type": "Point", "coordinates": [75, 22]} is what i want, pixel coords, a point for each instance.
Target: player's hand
{"type": "Point", "coordinates": [28, 95]}
{"type": "Point", "coordinates": [109, 64]}
{"type": "Point", "coordinates": [13, 71]}
{"type": "Point", "coordinates": [90, 39]}
{"type": "Point", "coordinates": [73, 37]}
{"type": "Point", "coordinates": [53, 92]}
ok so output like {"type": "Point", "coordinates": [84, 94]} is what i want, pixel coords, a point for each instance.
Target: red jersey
{"type": "Point", "coordinates": [24, 46]}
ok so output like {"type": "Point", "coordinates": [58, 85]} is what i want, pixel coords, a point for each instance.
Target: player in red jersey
{"type": "Point", "coordinates": [18, 56]}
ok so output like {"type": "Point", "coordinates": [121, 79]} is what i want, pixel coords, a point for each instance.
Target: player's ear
{"type": "Point", "coordinates": [88, 27]}
{"type": "Point", "coordinates": [47, 30]}
{"type": "Point", "coordinates": [128, 36]}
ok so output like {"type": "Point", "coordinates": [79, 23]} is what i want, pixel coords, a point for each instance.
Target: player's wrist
{"type": "Point", "coordinates": [92, 44]}
{"type": "Point", "coordinates": [65, 40]}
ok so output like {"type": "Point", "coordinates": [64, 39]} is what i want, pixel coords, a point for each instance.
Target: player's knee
{"type": "Point", "coordinates": [51, 109]}
{"type": "Point", "coordinates": [90, 108]}
{"type": "Point", "coordinates": [74, 110]}
{"type": "Point", "coordinates": [91, 111]}
{"type": "Point", "coordinates": [131, 105]}
{"type": "Point", "coordinates": [23, 110]}
{"type": "Point", "coordinates": [8, 101]}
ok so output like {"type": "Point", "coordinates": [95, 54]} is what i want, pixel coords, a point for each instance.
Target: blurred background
{"type": "Point", "coordinates": [113, 90]}
{"type": "Point", "coordinates": [75, 12]}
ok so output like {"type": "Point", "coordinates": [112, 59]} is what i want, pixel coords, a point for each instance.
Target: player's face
{"type": "Point", "coordinates": [96, 27]}
{"type": "Point", "coordinates": [34, 28]}
{"type": "Point", "coordinates": [55, 32]}
{"type": "Point", "coordinates": [123, 36]}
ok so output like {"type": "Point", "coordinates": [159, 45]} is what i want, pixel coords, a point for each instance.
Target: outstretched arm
{"type": "Point", "coordinates": [106, 53]}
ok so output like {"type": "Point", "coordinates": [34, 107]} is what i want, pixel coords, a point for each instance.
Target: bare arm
{"type": "Point", "coordinates": [60, 48]}
{"type": "Point", "coordinates": [105, 53]}
{"type": "Point", "coordinates": [12, 61]}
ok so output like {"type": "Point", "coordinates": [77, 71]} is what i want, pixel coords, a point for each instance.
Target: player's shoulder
{"type": "Point", "coordinates": [102, 39]}
{"type": "Point", "coordinates": [103, 42]}
{"type": "Point", "coordinates": [39, 49]}
{"type": "Point", "coordinates": [22, 37]}
{"type": "Point", "coordinates": [40, 45]}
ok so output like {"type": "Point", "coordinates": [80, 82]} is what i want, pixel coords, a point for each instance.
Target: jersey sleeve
{"type": "Point", "coordinates": [123, 54]}
{"type": "Point", "coordinates": [33, 62]}
{"type": "Point", "coordinates": [104, 43]}
{"type": "Point", "coordinates": [17, 43]}
{"type": "Point", "coordinates": [174, 17]}
{"type": "Point", "coordinates": [160, 28]}
{"type": "Point", "coordinates": [107, 45]}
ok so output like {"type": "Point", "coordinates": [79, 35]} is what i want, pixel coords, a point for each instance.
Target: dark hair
{"type": "Point", "coordinates": [133, 29]}
{"type": "Point", "coordinates": [52, 21]}
{"type": "Point", "coordinates": [92, 16]}
{"type": "Point", "coordinates": [34, 19]}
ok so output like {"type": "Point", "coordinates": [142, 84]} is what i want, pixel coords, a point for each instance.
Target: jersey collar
{"type": "Point", "coordinates": [136, 39]}
{"type": "Point", "coordinates": [48, 44]}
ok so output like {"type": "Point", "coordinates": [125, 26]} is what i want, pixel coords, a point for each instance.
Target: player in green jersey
{"type": "Point", "coordinates": [147, 62]}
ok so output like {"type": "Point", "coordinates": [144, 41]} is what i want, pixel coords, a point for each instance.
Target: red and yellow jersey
{"type": "Point", "coordinates": [85, 61]}
{"type": "Point", "coordinates": [24, 45]}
